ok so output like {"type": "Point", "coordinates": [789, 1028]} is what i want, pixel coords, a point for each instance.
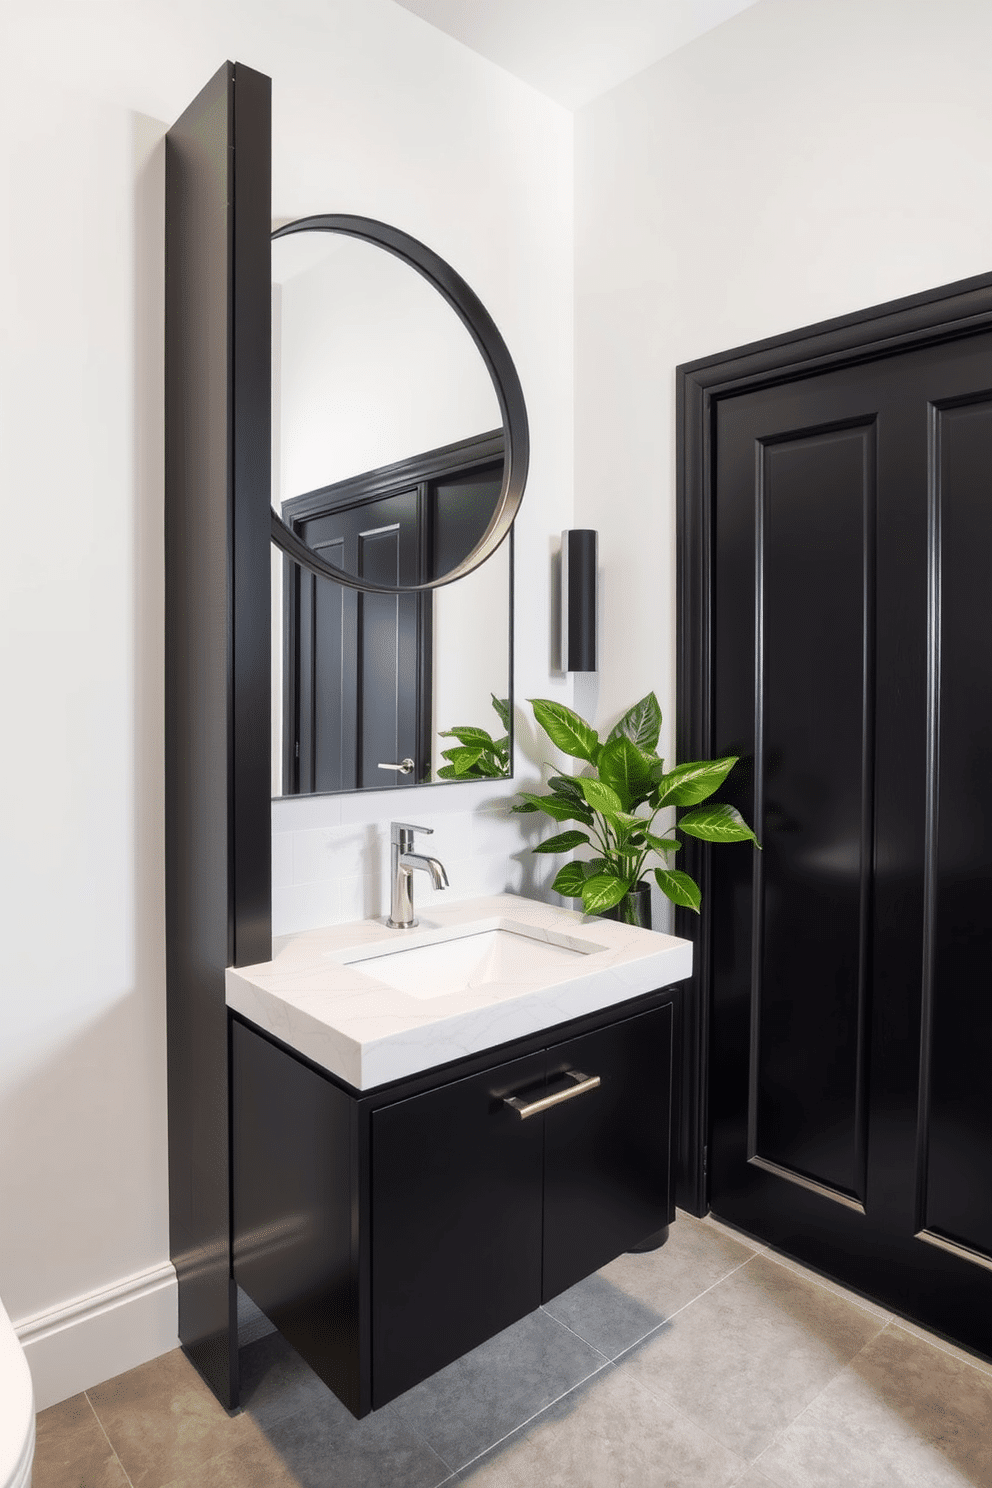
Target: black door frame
{"type": "Point", "coordinates": [943, 314]}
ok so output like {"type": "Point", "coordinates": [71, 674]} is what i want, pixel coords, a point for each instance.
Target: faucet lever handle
{"type": "Point", "coordinates": [399, 830]}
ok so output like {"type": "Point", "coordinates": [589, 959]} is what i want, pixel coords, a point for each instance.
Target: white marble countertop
{"type": "Point", "coordinates": [367, 1032]}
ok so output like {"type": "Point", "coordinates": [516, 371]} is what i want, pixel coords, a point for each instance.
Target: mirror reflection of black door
{"type": "Point", "coordinates": [358, 667]}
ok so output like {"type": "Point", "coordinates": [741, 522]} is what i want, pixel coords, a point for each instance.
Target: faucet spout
{"type": "Point", "coordinates": [439, 877]}
{"type": "Point", "coordinates": [404, 862]}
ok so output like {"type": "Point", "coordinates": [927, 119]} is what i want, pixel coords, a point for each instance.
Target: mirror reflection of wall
{"type": "Point", "coordinates": [387, 458]}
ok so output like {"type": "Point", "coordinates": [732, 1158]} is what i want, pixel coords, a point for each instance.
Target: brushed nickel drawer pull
{"type": "Point", "coordinates": [404, 766]}
{"type": "Point", "coordinates": [534, 1108]}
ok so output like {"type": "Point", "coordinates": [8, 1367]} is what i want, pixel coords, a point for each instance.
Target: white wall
{"type": "Point", "coordinates": [375, 113]}
{"type": "Point", "coordinates": [801, 161]}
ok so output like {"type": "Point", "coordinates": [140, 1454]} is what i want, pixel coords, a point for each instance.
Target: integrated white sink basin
{"type": "Point", "coordinates": [370, 1004]}
{"type": "Point", "coordinates": [473, 958]}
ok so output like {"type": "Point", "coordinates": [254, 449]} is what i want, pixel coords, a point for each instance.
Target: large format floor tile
{"type": "Point", "coordinates": [170, 1432]}
{"type": "Point", "coordinates": [903, 1413]}
{"type": "Point", "coordinates": [164, 1421]}
{"type": "Point", "coordinates": [71, 1447]}
{"type": "Point", "coordinates": [635, 1294]}
{"type": "Point", "coordinates": [754, 1478]}
{"type": "Point", "coordinates": [606, 1433]}
{"type": "Point", "coordinates": [747, 1356]}
{"type": "Point", "coordinates": [465, 1408]}
{"type": "Point", "coordinates": [735, 1368]}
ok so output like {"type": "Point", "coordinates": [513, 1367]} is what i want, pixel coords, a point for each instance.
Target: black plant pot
{"type": "Point", "coordinates": [634, 908]}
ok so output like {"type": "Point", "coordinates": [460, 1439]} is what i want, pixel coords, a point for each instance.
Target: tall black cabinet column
{"type": "Point", "coordinates": [218, 893]}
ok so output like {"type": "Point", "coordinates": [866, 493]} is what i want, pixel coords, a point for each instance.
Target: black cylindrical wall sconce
{"type": "Point", "coordinates": [579, 555]}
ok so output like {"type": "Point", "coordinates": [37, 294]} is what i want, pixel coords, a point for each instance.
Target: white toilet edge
{"type": "Point", "coordinates": [17, 1425]}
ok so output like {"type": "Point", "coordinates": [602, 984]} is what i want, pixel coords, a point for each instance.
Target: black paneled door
{"type": "Point", "coordinates": [850, 1100]}
{"type": "Point", "coordinates": [355, 665]}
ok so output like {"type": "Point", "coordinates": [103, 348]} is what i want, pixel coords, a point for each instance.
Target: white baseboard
{"type": "Point", "coordinates": [93, 1338]}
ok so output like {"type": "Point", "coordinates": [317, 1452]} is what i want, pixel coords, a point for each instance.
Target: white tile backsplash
{"type": "Point", "coordinates": [330, 865]}
{"type": "Point", "coordinates": [282, 859]}
{"type": "Point", "coordinates": [300, 813]}
{"type": "Point", "coordinates": [333, 852]}
{"type": "Point", "coordinates": [304, 906]}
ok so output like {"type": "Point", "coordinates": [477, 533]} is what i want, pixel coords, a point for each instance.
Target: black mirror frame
{"type": "Point", "coordinates": [481, 327]}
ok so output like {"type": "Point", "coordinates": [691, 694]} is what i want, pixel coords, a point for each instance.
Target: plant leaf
{"type": "Point", "coordinates": [662, 844]}
{"type": "Point", "coordinates": [502, 706]}
{"type": "Point", "coordinates": [569, 881]}
{"type": "Point", "coordinates": [717, 823]}
{"type": "Point", "coordinates": [602, 891]}
{"type": "Point", "coordinates": [448, 772]}
{"type": "Point", "coordinates": [627, 769]}
{"type": "Point", "coordinates": [600, 797]}
{"type": "Point", "coordinates": [628, 819]}
{"type": "Point", "coordinates": [576, 874]}
{"type": "Point", "coordinates": [641, 724]}
{"type": "Point", "coordinates": [566, 729]}
{"type": "Point", "coordinates": [564, 842]}
{"type": "Point", "coordinates": [678, 887]}
{"type": "Point", "coordinates": [521, 806]}
{"type": "Point", "coordinates": [567, 785]}
{"type": "Point", "coordinates": [464, 758]}
{"type": "Point", "coordinates": [468, 735]}
{"type": "Point", "coordinates": [555, 806]}
{"type": "Point", "coordinates": [488, 767]}
{"type": "Point", "coordinates": [686, 785]}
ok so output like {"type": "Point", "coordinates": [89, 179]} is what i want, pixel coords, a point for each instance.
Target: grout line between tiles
{"type": "Point", "coordinates": [705, 1292]}
{"type": "Point", "coordinates": [563, 1396]}
{"type": "Point", "coordinates": [810, 1403]}
{"type": "Point", "coordinates": [664, 1322]}
{"type": "Point", "coordinates": [110, 1444]}
{"type": "Point", "coordinates": [605, 1357]}
{"type": "Point", "coordinates": [952, 1350]}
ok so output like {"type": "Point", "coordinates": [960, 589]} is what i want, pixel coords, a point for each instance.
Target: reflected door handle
{"type": "Point", "coordinates": [534, 1108]}
{"type": "Point", "coordinates": [404, 766]}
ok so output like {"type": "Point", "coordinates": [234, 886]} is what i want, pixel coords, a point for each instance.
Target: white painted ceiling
{"type": "Point", "coordinates": [573, 50]}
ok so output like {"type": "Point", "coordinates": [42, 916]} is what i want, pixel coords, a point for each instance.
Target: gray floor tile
{"type": "Point", "coordinates": [71, 1448]}
{"type": "Point", "coordinates": [463, 1409]}
{"type": "Point", "coordinates": [604, 1314]}
{"type": "Point", "coordinates": [635, 1293]}
{"type": "Point", "coordinates": [290, 1433]}
{"type": "Point", "coordinates": [963, 1354]}
{"type": "Point", "coordinates": [605, 1433]}
{"type": "Point", "coordinates": [327, 1445]}
{"type": "Point", "coordinates": [276, 1382]}
{"type": "Point", "coordinates": [744, 1359]}
{"type": "Point", "coordinates": [903, 1414]}
{"type": "Point", "coordinates": [755, 1478]}
{"type": "Point", "coordinates": [884, 1314]}
{"type": "Point", "coordinates": [755, 1359]}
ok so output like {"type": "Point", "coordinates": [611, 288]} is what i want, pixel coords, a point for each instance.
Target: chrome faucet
{"type": "Point", "coordinates": [402, 863]}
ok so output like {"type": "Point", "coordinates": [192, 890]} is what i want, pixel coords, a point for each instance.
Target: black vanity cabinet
{"type": "Point", "coordinates": [387, 1233]}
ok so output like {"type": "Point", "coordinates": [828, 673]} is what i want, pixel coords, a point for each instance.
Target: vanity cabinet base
{"type": "Point", "coordinates": [387, 1233]}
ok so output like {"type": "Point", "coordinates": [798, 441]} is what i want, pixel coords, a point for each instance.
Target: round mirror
{"type": "Point", "coordinates": [394, 397]}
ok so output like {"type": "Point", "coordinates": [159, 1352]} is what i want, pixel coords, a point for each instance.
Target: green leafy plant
{"type": "Point", "coordinates": [617, 804]}
{"type": "Point", "coordinates": [477, 755]}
